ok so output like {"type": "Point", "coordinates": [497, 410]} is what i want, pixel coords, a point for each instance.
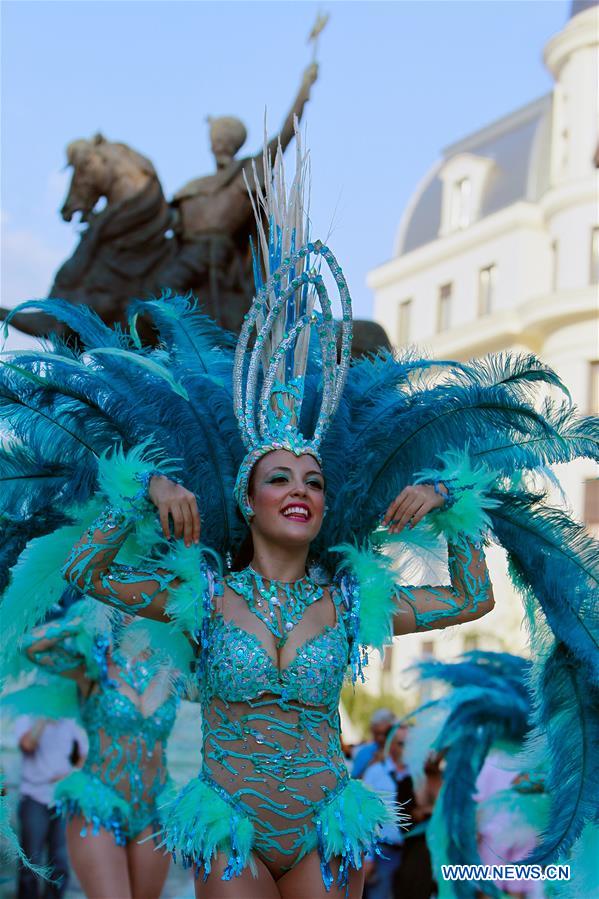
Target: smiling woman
{"type": "Point", "coordinates": [287, 497]}
{"type": "Point", "coordinates": [274, 646]}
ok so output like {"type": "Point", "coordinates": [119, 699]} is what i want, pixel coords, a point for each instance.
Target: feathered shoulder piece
{"type": "Point", "coordinates": [198, 580]}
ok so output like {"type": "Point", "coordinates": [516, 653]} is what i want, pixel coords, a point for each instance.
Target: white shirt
{"type": "Point", "coordinates": [384, 777]}
{"type": "Point", "coordinates": [41, 769]}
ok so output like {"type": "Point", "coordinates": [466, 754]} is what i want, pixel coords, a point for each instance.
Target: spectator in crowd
{"type": "Point", "coordinates": [414, 876]}
{"type": "Point", "coordinates": [392, 777]}
{"type": "Point", "coordinates": [504, 833]}
{"type": "Point", "coordinates": [50, 749]}
{"type": "Point", "coordinates": [380, 724]}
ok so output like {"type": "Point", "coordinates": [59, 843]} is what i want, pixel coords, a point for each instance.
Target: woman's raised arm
{"type": "Point", "coordinates": [462, 519]}
{"type": "Point", "coordinates": [469, 595]}
{"type": "Point", "coordinates": [457, 496]}
{"type": "Point", "coordinates": [91, 566]}
{"type": "Point", "coordinates": [53, 648]}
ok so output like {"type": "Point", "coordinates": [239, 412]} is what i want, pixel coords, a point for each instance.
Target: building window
{"type": "Point", "coordinates": [405, 314]}
{"type": "Point", "coordinates": [461, 204]}
{"type": "Point", "coordinates": [444, 307]}
{"type": "Point", "coordinates": [487, 278]}
{"type": "Point", "coordinates": [388, 659]}
{"type": "Point", "coordinates": [594, 388]}
{"type": "Point", "coordinates": [591, 503]}
{"type": "Point", "coordinates": [554, 265]}
{"type": "Point", "coordinates": [595, 256]}
{"type": "Point", "coordinates": [471, 642]}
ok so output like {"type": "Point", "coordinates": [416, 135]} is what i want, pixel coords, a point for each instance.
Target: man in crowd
{"type": "Point", "coordinates": [50, 749]}
{"type": "Point", "coordinates": [392, 778]}
{"type": "Point", "coordinates": [380, 724]}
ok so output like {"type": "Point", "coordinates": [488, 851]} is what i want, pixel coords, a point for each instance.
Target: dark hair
{"type": "Point", "coordinates": [75, 754]}
{"type": "Point", "coordinates": [245, 551]}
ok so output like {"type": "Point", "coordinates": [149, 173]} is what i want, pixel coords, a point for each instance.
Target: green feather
{"type": "Point", "coordinates": [351, 820]}
{"type": "Point", "coordinates": [95, 799]}
{"type": "Point", "coordinates": [199, 820]}
{"type": "Point", "coordinates": [467, 515]}
{"type": "Point", "coordinates": [119, 471]}
{"type": "Point", "coordinates": [376, 582]}
{"type": "Point", "coordinates": [185, 603]}
{"type": "Point", "coordinates": [37, 584]}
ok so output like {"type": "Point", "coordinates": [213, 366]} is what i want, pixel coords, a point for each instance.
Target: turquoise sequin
{"type": "Point", "coordinates": [239, 669]}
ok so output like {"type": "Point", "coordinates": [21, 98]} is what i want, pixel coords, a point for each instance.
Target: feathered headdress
{"type": "Point", "coordinates": [269, 379]}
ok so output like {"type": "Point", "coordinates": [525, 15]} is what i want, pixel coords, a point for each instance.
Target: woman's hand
{"type": "Point", "coordinates": [412, 505]}
{"type": "Point", "coordinates": [174, 500]}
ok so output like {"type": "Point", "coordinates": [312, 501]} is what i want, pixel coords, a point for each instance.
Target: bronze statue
{"type": "Point", "coordinates": [140, 245]}
{"type": "Point", "coordinates": [123, 246]}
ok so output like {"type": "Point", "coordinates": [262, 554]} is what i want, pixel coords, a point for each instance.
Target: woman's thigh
{"type": "Point", "coordinates": [148, 866]}
{"type": "Point", "coordinates": [305, 879]}
{"type": "Point", "coordinates": [100, 865]}
{"type": "Point", "coordinates": [246, 886]}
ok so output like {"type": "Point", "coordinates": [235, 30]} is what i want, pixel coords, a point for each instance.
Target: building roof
{"type": "Point", "coordinates": [580, 5]}
{"type": "Point", "coordinates": [518, 144]}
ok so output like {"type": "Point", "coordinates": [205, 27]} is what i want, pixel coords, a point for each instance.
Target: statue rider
{"type": "Point", "coordinates": [214, 219]}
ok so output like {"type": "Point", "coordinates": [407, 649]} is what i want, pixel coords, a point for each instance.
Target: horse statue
{"type": "Point", "coordinates": [125, 244]}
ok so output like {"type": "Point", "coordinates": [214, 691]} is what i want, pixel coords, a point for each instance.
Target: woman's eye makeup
{"type": "Point", "coordinates": [278, 478]}
{"type": "Point", "coordinates": [281, 477]}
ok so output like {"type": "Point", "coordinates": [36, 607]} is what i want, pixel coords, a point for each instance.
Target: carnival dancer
{"type": "Point", "coordinates": [273, 812]}
{"type": "Point", "coordinates": [122, 691]}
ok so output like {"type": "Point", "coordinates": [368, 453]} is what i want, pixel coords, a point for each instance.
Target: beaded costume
{"type": "Point", "coordinates": [272, 781]}
{"type": "Point", "coordinates": [128, 713]}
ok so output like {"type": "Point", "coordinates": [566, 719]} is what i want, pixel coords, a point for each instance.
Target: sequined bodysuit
{"type": "Point", "coordinates": [128, 717]}
{"type": "Point", "coordinates": [271, 727]}
{"type": "Point", "coordinates": [273, 780]}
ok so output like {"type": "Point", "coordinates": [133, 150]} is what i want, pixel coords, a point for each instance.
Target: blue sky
{"type": "Point", "coordinates": [398, 81]}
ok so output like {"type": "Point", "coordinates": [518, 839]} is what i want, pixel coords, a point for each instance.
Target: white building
{"type": "Point", "coordinates": [499, 249]}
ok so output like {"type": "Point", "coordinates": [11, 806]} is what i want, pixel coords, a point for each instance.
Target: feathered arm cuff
{"type": "Point", "coordinates": [465, 511]}
{"type": "Point", "coordinates": [124, 477]}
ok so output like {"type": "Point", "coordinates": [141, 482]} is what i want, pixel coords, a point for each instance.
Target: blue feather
{"type": "Point", "coordinates": [567, 717]}
{"type": "Point", "coordinates": [90, 328]}
{"type": "Point", "coordinates": [489, 701]}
